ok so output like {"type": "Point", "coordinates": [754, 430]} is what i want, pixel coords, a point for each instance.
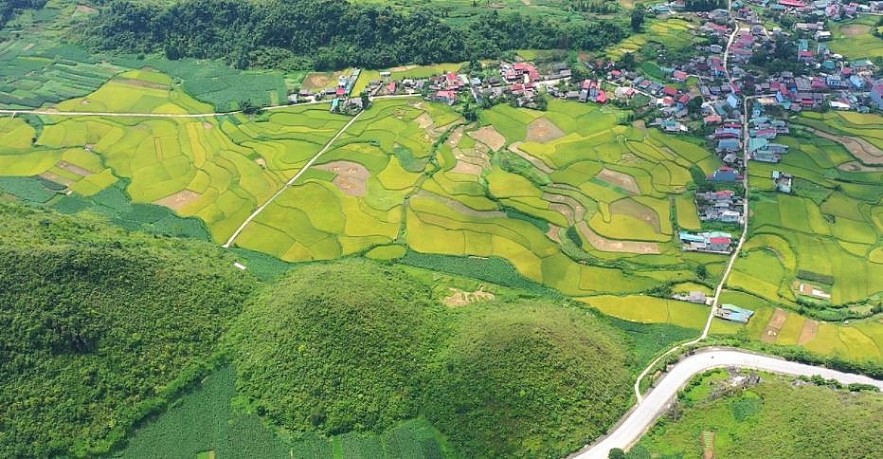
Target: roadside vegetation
{"type": "Point", "coordinates": [779, 417]}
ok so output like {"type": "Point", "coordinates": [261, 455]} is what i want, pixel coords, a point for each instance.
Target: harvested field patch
{"type": "Point", "coordinates": [855, 166]}
{"type": "Point", "coordinates": [455, 137]}
{"type": "Point", "coordinates": [318, 80]}
{"type": "Point", "coordinates": [352, 178]}
{"type": "Point", "coordinates": [610, 245]}
{"type": "Point", "coordinates": [178, 200]}
{"type": "Point", "coordinates": [85, 9]}
{"type": "Point", "coordinates": [566, 205]}
{"type": "Point", "coordinates": [73, 168]}
{"type": "Point", "coordinates": [465, 167]}
{"type": "Point", "coordinates": [424, 120]}
{"type": "Point", "coordinates": [637, 210]}
{"type": "Point", "coordinates": [863, 150]}
{"type": "Point", "coordinates": [56, 178]}
{"type": "Point", "coordinates": [554, 233]}
{"type": "Point", "coordinates": [854, 30]}
{"type": "Point", "coordinates": [489, 136]}
{"type": "Point", "coordinates": [543, 130]}
{"type": "Point", "coordinates": [774, 326]}
{"type": "Point", "coordinates": [624, 181]}
{"type": "Point", "coordinates": [460, 298]}
{"type": "Point", "coordinates": [809, 332]}
{"type": "Point", "coordinates": [459, 207]}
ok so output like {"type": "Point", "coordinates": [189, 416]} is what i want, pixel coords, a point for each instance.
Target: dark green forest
{"type": "Point", "coordinates": [9, 8]}
{"type": "Point", "coordinates": [331, 34]}
{"type": "Point", "coordinates": [100, 328]}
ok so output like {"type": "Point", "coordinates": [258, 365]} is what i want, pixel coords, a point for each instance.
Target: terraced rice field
{"type": "Point", "coordinates": [672, 33]}
{"type": "Point", "coordinates": [215, 168]}
{"type": "Point", "coordinates": [829, 226]}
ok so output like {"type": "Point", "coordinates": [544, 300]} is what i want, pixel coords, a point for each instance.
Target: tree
{"type": "Point", "coordinates": [616, 453]}
{"type": "Point", "coordinates": [701, 272]}
{"type": "Point", "coordinates": [366, 100]}
{"type": "Point", "coordinates": [470, 112]}
{"type": "Point", "coordinates": [694, 105]}
{"type": "Point", "coordinates": [637, 17]}
{"type": "Point", "coordinates": [627, 61]}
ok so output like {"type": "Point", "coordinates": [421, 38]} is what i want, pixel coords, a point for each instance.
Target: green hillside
{"type": "Point", "coordinates": [779, 418]}
{"type": "Point", "coordinates": [99, 327]}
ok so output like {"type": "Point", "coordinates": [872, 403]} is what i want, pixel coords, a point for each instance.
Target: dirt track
{"type": "Point", "coordinates": [863, 150]}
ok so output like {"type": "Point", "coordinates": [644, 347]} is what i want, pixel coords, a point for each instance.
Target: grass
{"type": "Point", "coordinates": [774, 417]}
{"type": "Point", "coordinates": [651, 310]}
{"type": "Point", "coordinates": [854, 39]}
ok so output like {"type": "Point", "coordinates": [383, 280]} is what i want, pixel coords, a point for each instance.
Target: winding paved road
{"type": "Point", "coordinates": [642, 416]}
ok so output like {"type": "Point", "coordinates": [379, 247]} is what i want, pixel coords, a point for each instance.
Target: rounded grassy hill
{"type": "Point", "coordinates": [100, 327]}
{"type": "Point", "coordinates": [336, 347]}
{"type": "Point", "coordinates": [530, 379]}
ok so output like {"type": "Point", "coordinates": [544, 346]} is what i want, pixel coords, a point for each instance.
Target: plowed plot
{"type": "Point", "coordinates": [56, 178]}
{"type": "Point", "coordinates": [774, 326]}
{"type": "Point", "coordinates": [178, 200]}
{"type": "Point", "coordinates": [855, 30]}
{"type": "Point", "coordinates": [624, 181]}
{"type": "Point", "coordinates": [72, 168]}
{"type": "Point", "coordinates": [637, 210]}
{"type": "Point", "coordinates": [809, 332]}
{"type": "Point", "coordinates": [460, 298]}
{"type": "Point", "coordinates": [490, 137]}
{"type": "Point", "coordinates": [542, 130]}
{"type": "Point", "coordinates": [610, 245]}
{"type": "Point", "coordinates": [351, 179]}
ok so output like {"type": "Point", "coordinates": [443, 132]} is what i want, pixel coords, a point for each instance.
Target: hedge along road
{"type": "Point", "coordinates": [642, 416]}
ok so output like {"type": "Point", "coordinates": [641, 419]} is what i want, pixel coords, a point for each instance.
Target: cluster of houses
{"type": "Point", "coordinates": [725, 206]}
{"type": "Point", "coordinates": [710, 242]}
{"type": "Point", "coordinates": [821, 9]}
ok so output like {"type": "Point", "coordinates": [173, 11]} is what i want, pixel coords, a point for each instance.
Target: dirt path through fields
{"type": "Point", "coordinates": [863, 150]}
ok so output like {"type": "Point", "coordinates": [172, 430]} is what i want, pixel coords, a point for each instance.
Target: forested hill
{"type": "Point", "coordinates": [99, 327]}
{"type": "Point", "coordinates": [8, 8]}
{"type": "Point", "coordinates": [330, 33]}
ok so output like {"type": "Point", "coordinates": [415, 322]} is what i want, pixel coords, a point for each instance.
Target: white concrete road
{"type": "Point", "coordinates": [644, 414]}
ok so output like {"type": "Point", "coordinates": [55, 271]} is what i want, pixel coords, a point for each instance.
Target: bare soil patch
{"type": "Point", "coordinates": [460, 298]}
{"type": "Point", "coordinates": [554, 233]}
{"type": "Point", "coordinates": [207, 126]}
{"type": "Point", "coordinates": [774, 326]}
{"type": "Point", "coordinates": [855, 166]}
{"type": "Point", "coordinates": [543, 130]}
{"type": "Point", "coordinates": [854, 30]}
{"type": "Point", "coordinates": [351, 179]}
{"type": "Point", "coordinates": [809, 332]}
{"type": "Point", "coordinates": [261, 162]}
{"type": "Point", "coordinates": [455, 137]}
{"type": "Point", "coordinates": [85, 9]}
{"type": "Point", "coordinates": [863, 150]}
{"type": "Point", "coordinates": [56, 178]}
{"type": "Point", "coordinates": [610, 245]}
{"type": "Point", "coordinates": [143, 84]}
{"type": "Point", "coordinates": [489, 136]}
{"type": "Point", "coordinates": [424, 120]}
{"type": "Point", "coordinates": [572, 210]}
{"type": "Point", "coordinates": [73, 168]}
{"type": "Point", "coordinates": [637, 210]}
{"type": "Point", "coordinates": [178, 200]}
{"type": "Point", "coordinates": [317, 80]}
{"type": "Point", "coordinates": [624, 181]}
{"type": "Point", "coordinates": [402, 68]}
{"type": "Point", "coordinates": [538, 163]}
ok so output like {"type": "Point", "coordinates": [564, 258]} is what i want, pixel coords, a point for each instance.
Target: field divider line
{"type": "Point", "coordinates": [290, 182]}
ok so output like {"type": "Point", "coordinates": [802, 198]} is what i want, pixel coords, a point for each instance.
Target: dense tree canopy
{"type": "Point", "coordinates": [9, 8]}
{"type": "Point", "coordinates": [98, 327]}
{"type": "Point", "coordinates": [330, 33]}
